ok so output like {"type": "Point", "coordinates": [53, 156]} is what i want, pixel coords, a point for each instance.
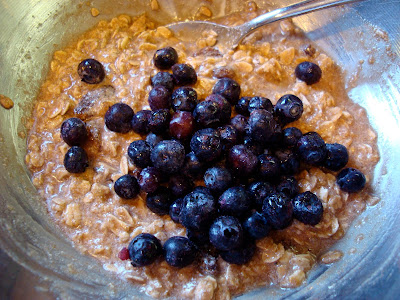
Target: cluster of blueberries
{"type": "Point", "coordinates": [247, 162]}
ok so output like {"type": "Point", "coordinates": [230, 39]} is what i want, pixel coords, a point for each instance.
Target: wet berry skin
{"type": "Point", "coordinates": [139, 151]}
{"type": "Point", "coordinates": [140, 122]}
{"type": "Point", "coordinates": [73, 131]}
{"type": "Point", "coordinates": [290, 136]}
{"type": "Point", "coordinates": [254, 146]}
{"type": "Point", "coordinates": [229, 137]}
{"type": "Point", "coordinates": [175, 210]}
{"type": "Point", "coordinates": [235, 201]}
{"type": "Point", "coordinates": [165, 58]}
{"type": "Point", "coordinates": [184, 74]}
{"type": "Point", "coordinates": [217, 179]}
{"type": "Point", "coordinates": [212, 112]}
{"type": "Point", "coordinates": [184, 98]}
{"type": "Point", "coordinates": [240, 255]}
{"type": "Point", "coordinates": [159, 121]}
{"type": "Point", "coordinates": [270, 166]}
{"type": "Point", "coordinates": [159, 98]}
{"type": "Point", "coordinates": [337, 157]}
{"type": "Point", "coordinates": [239, 122]}
{"type": "Point", "coordinates": [198, 210]}
{"type": "Point", "coordinates": [163, 78]}
{"type": "Point", "coordinates": [351, 180]}
{"type": "Point", "coordinates": [91, 71]}
{"type": "Point", "coordinates": [307, 208]}
{"type": "Point", "coordinates": [168, 156]}
{"type": "Point", "coordinates": [289, 161]}
{"type": "Point", "coordinates": [308, 72]}
{"type": "Point", "coordinates": [242, 107]}
{"type": "Point", "coordinates": [261, 126]}
{"type": "Point", "coordinates": [126, 187]}
{"type": "Point", "coordinates": [288, 186]}
{"type": "Point", "coordinates": [259, 190]}
{"type": "Point", "coordinates": [289, 108]}
{"type": "Point", "coordinates": [152, 139]}
{"type": "Point", "coordinates": [118, 118]}
{"type": "Point", "coordinates": [199, 238]}
{"type": "Point", "coordinates": [257, 226]}
{"type": "Point", "coordinates": [181, 125]}
{"type": "Point", "coordinates": [311, 148]}
{"type": "Point", "coordinates": [160, 201]}
{"type": "Point", "coordinates": [149, 179]}
{"type": "Point", "coordinates": [180, 185]}
{"type": "Point", "coordinates": [226, 233]}
{"type": "Point", "coordinates": [228, 88]}
{"type": "Point", "coordinates": [242, 161]}
{"type": "Point", "coordinates": [144, 249]}
{"type": "Point", "coordinates": [179, 251]}
{"type": "Point", "coordinates": [192, 166]}
{"type": "Point", "coordinates": [279, 210]}
{"type": "Point", "coordinates": [206, 144]}
{"type": "Point", "coordinates": [260, 103]}
{"type": "Point", "coordinates": [76, 160]}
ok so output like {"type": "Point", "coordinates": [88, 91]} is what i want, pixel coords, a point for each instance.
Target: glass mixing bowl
{"type": "Point", "coordinates": [363, 39]}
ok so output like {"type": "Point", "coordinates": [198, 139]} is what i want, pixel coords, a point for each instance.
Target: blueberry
{"type": "Point", "coordinates": [202, 189]}
{"type": "Point", "coordinates": [229, 137]}
{"type": "Point", "coordinates": [289, 161]}
{"type": "Point", "coordinates": [192, 166]}
{"type": "Point", "coordinates": [224, 107]}
{"type": "Point", "coordinates": [290, 136]}
{"type": "Point", "coordinates": [200, 238]}
{"type": "Point", "coordinates": [126, 187]}
{"type": "Point", "coordinates": [254, 146]}
{"type": "Point", "coordinates": [168, 156]}
{"type": "Point", "coordinates": [180, 185]}
{"type": "Point", "coordinates": [139, 152]}
{"type": "Point", "coordinates": [307, 208]}
{"type": "Point", "coordinates": [73, 132]}
{"type": "Point", "coordinates": [181, 125]}
{"type": "Point", "coordinates": [288, 186]}
{"type": "Point", "coordinates": [336, 157]}
{"type": "Point", "coordinates": [149, 179]}
{"type": "Point", "coordinates": [240, 124]}
{"type": "Point", "coordinates": [118, 118]}
{"type": "Point", "coordinates": [242, 107]}
{"type": "Point", "coordinates": [212, 112]}
{"type": "Point", "coordinates": [289, 108]}
{"type": "Point", "coordinates": [240, 255]}
{"type": "Point", "coordinates": [259, 190]}
{"type": "Point", "coordinates": [159, 98]}
{"type": "Point", "coordinates": [226, 233]}
{"type": "Point", "coordinates": [163, 78]}
{"type": "Point", "coordinates": [351, 180]}
{"type": "Point", "coordinates": [270, 166]}
{"type": "Point", "coordinates": [184, 74]}
{"type": "Point", "coordinates": [184, 98]}
{"type": "Point", "coordinates": [242, 161]}
{"type": "Point", "coordinates": [206, 144]}
{"type": "Point", "coordinates": [91, 71]}
{"type": "Point", "coordinates": [308, 72]}
{"type": "Point", "coordinates": [165, 58]}
{"type": "Point", "coordinates": [257, 226]}
{"type": "Point", "coordinates": [228, 88]}
{"type": "Point", "coordinates": [175, 210]}
{"type": "Point", "coordinates": [198, 210]}
{"type": "Point", "coordinates": [152, 139]}
{"type": "Point", "coordinates": [235, 201]}
{"type": "Point", "coordinates": [279, 210]}
{"type": "Point", "coordinates": [140, 122]}
{"type": "Point", "coordinates": [76, 160]}
{"type": "Point", "coordinates": [260, 103]}
{"type": "Point", "coordinates": [179, 251]}
{"type": "Point", "coordinates": [144, 249]}
{"type": "Point", "coordinates": [160, 201]}
{"type": "Point", "coordinates": [159, 121]}
{"type": "Point", "coordinates": [217, 179]}
{"type": "Point", "coordinates": [311, 148]}
{"type": "Point", "coordinates": [261, 126]}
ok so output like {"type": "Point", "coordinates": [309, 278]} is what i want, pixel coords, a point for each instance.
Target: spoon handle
{"type": "Point", "coordinates": [294, 10]}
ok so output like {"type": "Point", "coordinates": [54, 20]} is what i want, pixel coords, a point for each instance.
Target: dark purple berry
{"type": "Point", "coordinates": [224, 107]}
{"type": "Point", "coordinates": [160, 98]}
{"type": "Point", "coordinates": [149, 179]}
{"type": "Point", "coordinates": [144, 249]}
{"type": "Point", "coordinates": [242, 107]}
{"type": "Point", "coordinates": [270, 166]}
{"type": "Point", "coordinates": [140, 122]}
{"type": "Point", "coordinates": [235, 201]}
{"type": "Point", "coordinates": [261, 126]}
{"type": "Point", "coordinates": [228, 88]}
{"type": "Point", "coordinates": [290, 136]}
{"type": "Point", "coordinates": [257, 226]}
{"type": "Point", "coordinates": [254, 146]}
{"type": "Point", "coordinates": [288, 186]}
{"type": "Point", "coordinates": [289, 108]}
{"type": "Point", "coordinates": [91, 71]}
{"type": "Point", "coordinates": [351, 180]}
{"type": "Point", "coordinates": [336, 157]}
{"type": "Point", "coordinates": [180, 185]}
{"type": "Point", "coordinates": [192, 166]}
{"type": "Point", "coordinates": [184, 98]}
{"type": "Point", "coordinates": [165, 58]}
{"type": "Point", "coordinates": [240, 255]}
{"type": "Point", "coordinates": [159, 121]}
{"type": "Point", "coordinates": [73, 132]}
{"type": "Point", "coordinates": [160, 201]}
{"type": "Point", "coordinates": [175, 210]}
{"type": "Point", "coordinates": [212, 112]}
{"type": "Point", "coordinates": [260, 103]}
{"type": "Point", "coordinates": [76, 160]}
{"type": "Point", "coordinates": [179, 251]}
{"type": "Point", "coordinates": [279, 210]}
{"type": "Point", "coordinates": [312, 148]}
{"type": "Point", "coordinates": [126, 187]}
{"type": "Point", "coordinates": [152, 139]}
{"type": "Point", "coordinates": [139, 151]}
{"type": "Point", "coordinates": [181, 125]}
{"type": "Point", "coordinates": [307, 208]}
{"type": "Point", "coordinates": [240, 124]}
{"type": "Point", "coordinates": [168, 156]}
{"type": "Point", "coordinates": [217, 179]}
{"type": "Point", "coordinates": [289, 161]}
{"type": "Point", "coordinates": [242, 161]}
{"type": "Point", "coordinates": [118, 118]}
{"type": "Point", "coordinates": [206, 144]}
{"type": "Point", "coordinates": [226, 233]}
{"type": "Point", "coordinates": [259, 190]}
{"type": "Point", "coordinates": [200, 238]}
{"type": "Point", "coordinates": [308, 72]}
{"type": "Point", "coordinates": [229, 137]}
{"type": "Point", "coordinates": [163, 78]}
{"type": "Point", "coordinates": [184, 74]}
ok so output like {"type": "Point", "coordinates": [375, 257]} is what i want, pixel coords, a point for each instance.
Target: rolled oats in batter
{"type": "Point", "coordinates": [100, 223]}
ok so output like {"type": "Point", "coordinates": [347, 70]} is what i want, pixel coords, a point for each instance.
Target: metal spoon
{"type": "Point", "coordinates": [231, 37]}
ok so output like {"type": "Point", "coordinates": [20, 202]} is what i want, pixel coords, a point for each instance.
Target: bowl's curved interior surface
{"type": "Point", "coordinates": [31, 31]}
